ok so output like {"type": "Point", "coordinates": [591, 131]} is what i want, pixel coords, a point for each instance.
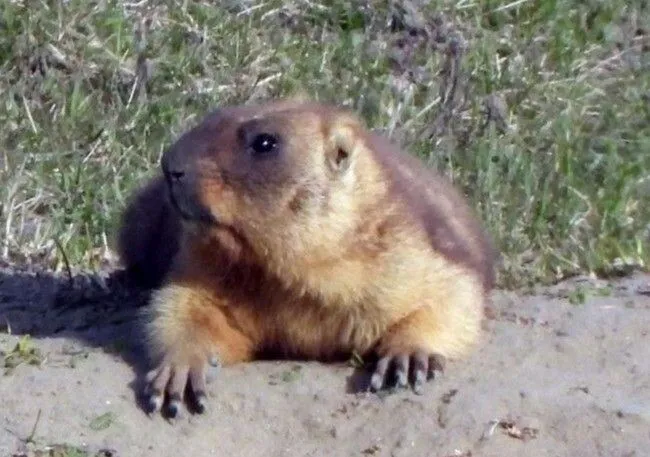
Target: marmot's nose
{"type": "Point", "coordinates": [172, 167]}
{"type": "Point", "coordinates": [176, 175]}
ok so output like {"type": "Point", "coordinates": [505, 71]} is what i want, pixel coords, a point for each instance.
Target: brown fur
{"type": "Point", "coordinates": [341, 243]}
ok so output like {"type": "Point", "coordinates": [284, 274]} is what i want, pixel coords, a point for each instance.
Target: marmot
{"type": "Point", "coordinates": [289, 228]}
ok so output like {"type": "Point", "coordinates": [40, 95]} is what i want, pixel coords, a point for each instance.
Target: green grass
{"type": "Point", "coordinates": [538, 110]}
{"type": "Point", "coordinates": [23, 352]}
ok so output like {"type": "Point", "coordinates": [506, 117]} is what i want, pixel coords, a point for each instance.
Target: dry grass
{"type": "Point", "coordinates": [540, 110]}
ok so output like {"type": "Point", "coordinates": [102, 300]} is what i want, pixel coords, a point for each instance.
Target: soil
{"type": "Point", "coordinates": [561, 371]}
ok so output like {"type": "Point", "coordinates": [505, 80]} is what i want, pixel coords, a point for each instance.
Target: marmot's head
{"type": "Point", "coordinates": [276, 177]}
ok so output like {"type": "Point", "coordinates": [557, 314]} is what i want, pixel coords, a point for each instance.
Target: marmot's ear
{"type": "Point", "coordinates": [344, 141]}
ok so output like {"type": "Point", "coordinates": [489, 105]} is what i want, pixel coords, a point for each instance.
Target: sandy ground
{"type": "Point", "coordinates": [553, 377]}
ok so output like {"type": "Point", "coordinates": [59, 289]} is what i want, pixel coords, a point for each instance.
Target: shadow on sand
{"type": "Point", "coordinates": [99, 311]}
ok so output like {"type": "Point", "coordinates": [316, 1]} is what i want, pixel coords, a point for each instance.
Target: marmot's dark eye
{"type": "Point", "coordinates": [264, 143]}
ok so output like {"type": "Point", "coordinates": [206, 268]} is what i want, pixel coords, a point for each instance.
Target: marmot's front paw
{"type": "Point", "coordinates": [422, 364]}
{"type": "Point", "coordinates": [170, 377]}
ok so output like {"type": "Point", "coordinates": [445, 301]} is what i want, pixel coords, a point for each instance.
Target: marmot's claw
{"type": "Point", "coordinates": [198, 383]}
{"type": "Point", "coordinates": [377, 379]}
{"type": "Point", "coordinates": [423, 366]}
{"type": "Point", "coordinates": [171, 380]}
{"type": "Point", "coordinates": [201, 401]}
{"type": "Point", "coordinates": [174, 405]}
{"type": "Point", "coordinates": [156, 381]}
{"type": "Point", "coordinates": [155, 402]}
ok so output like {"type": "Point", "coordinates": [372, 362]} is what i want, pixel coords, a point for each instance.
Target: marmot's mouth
{"type": "Point", "coordinates": [189, 208]}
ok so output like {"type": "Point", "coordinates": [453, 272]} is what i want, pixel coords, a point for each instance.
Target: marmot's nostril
{"type": "Point", "coordinates": [177, 175]}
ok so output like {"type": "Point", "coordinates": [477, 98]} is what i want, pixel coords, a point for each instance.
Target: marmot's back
{"type": "Point", "coordinates": [452, 227]}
